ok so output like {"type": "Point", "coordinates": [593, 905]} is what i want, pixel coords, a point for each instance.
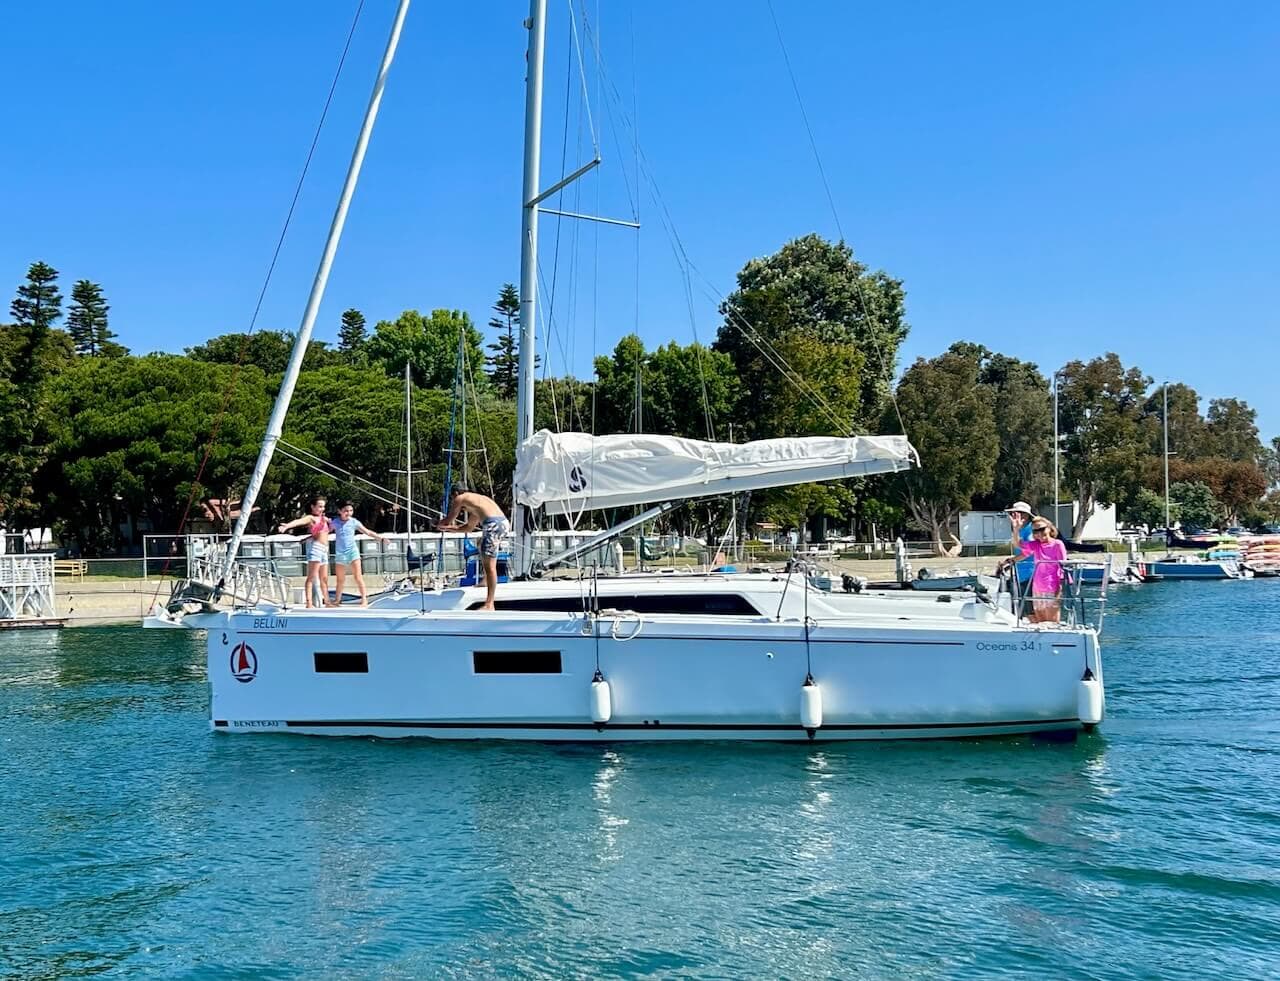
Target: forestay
{"type": "Point", "coordinates": [570, 472]}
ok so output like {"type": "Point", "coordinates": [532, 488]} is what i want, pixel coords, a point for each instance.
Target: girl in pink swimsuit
{"type": "Point", "coordinates": [1046, 582]}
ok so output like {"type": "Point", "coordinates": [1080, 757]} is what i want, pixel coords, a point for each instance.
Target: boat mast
{"type": "Point", "coordinates": [275, 426]}
{"type": "Point", "coordinates": [536, 25]}
{"type": "Point", "coordinates": [408, 459]}
{"type": "Point", "coordinates": [1165, 387]}
{"type": "Point", "coordinates": [1057, 446]}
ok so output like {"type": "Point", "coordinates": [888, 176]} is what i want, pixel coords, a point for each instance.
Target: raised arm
{"type": "Point", "coordinates": [306, 519]}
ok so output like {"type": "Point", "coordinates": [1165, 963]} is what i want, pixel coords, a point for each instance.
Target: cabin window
{"type": "Point", "coordinates": [722, 604]}
{"type": "Point", "coordinates": [516, 662]}
{"type": "Point", "coordinates": [342, 662]}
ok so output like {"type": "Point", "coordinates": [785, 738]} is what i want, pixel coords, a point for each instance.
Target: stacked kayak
{"type": "Point", "coordinates": [1261, 553]}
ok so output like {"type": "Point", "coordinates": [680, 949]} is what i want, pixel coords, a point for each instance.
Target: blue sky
{"type": "Point", "coordinates": [1051, 182]}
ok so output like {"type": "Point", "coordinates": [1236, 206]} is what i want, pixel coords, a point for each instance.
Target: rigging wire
{"type": "Point", "coordinates": [475, 400]}
{"type": "Point", "coordinates": [216, 429]}
{"type": "Point", "coordinates": [645, 172]}
{"type": "Point", "coordinates": [326, 468]}
{"type": "Point", "coordinates": [686, 264]}
{"type": "Point", "coordinates": [867, 312]}
{"type": "Point", "coordinates": [813, 143]}
{"type": "Point", "coordinates": [549, 306]}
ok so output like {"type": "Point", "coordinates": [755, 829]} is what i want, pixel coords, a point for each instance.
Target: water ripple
{"type": "Point", "coordinates": [138, 843]}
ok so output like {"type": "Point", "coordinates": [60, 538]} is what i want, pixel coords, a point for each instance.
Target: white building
{"type": "Point", "coordinates": [1101, 526]}
{"type": "Point", "coordinates": [992, 527]}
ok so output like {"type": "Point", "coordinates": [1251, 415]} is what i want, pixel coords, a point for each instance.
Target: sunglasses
{"type": "Point", "coordinates": [1039, 528]}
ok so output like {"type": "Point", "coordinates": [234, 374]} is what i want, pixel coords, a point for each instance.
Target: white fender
{"type": "Point", "coordinates": [1089, 699]}
{"type": "Point", "coordinates": [810, 704]}
{"type": "Point", "coordinates": [601, 700]}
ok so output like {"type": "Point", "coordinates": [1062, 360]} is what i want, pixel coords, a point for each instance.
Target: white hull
{"type": "Point", "coordinates": [886, 670]}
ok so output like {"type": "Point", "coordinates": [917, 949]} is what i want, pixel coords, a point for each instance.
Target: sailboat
{"type": "Point", "coordinates": [1184, 566]}
{"type": "Point", "coordinates": [634, 657]}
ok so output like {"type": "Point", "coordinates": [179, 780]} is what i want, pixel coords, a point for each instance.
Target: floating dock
{"type": "Point", "coordinates": [26, 592]}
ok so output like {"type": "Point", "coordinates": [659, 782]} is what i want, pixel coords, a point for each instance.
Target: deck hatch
{"type": "Point", "coordinates": [516, 662]}
{"type": "Point", "coordinates": [342, 662]}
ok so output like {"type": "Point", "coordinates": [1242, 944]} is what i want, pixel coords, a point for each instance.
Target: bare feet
{"type": "Point", "coordinates": [488, 608]}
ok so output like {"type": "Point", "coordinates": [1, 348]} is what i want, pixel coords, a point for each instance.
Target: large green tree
{"type": "Point", "coordinates": [681, 390]}
{"type": "Point", "coordinates": [265, 349]}
{"type": "Point", "coordinates": [505, 361]}
{"type": "Point", "coordinates": [429, 344]}
{"type": "Point", "coordinates": [32, 351]}
{"type": "Point", "coordinates": [949, 419]}
{"type": "Point", "coordinates": [1237, 485]}
{"type": "Point", "coordinates": [1271, 462]}
{"type": "Point", "coordinates": [1188, 435]}
{"type": "Point", "coordinates": [1100, 416]}
{"type": "Point", "coordinates": [1146, 508]}
{"type": "Point", "coordinates": [812, 294]}
{"type": "Point", "coordinates": [126, 437]}
{"type": "Point", "coordinates": [1196, 505]}
{"type": "Point", "coordinates": [1233, 431]}
{"type": "Point", "coordinates": [1022, 406]}
{"type": "Point", "coordinates": [35, 310]}
{"type": "Point", "coordinates": [87, 322]}
{"type": "Point", "coordinates": [562, 404]}
{"type": "Point", "coordinates": [352, 335]}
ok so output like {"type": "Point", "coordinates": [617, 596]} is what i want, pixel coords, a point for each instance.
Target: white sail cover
{"type": "Point", "coordinates": [570, 472]}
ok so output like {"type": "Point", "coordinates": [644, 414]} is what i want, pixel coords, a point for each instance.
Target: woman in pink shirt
{"type": "Point", "coordinates": [1046, 582]}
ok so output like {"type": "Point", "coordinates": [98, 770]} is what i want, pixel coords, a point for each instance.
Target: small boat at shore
{"type": "Point", "coordinates": [1191, 567]}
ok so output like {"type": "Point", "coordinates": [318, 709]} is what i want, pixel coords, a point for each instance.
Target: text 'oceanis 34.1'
{"type": "Point", "coordinates": [751, 656]}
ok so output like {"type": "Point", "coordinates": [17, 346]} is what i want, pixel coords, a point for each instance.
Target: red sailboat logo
{"type": "Point", "coordinates": [244, 663]}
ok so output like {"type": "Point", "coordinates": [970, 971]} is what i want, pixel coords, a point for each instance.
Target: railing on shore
{"type": "Point", "coordinates": [26, 587]}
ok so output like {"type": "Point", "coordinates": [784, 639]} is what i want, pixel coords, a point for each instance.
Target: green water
{"type": "Point", "coordinates": [136, 843]}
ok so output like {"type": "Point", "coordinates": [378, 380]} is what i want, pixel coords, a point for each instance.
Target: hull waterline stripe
{"type": "Point", "coordinates": [641, 727]}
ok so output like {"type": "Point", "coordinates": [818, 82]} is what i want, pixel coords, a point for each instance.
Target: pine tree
{"type": "Point", "coordinates": [87, 321]}
{"type": "Point", "coordinates": [506, 357]}
{"type": "Point", "coordinates": [38, 304]}
{"type": "Point", "coordinates": [36, 308]}
{"type": "Point", "coordinates": [351, 336]}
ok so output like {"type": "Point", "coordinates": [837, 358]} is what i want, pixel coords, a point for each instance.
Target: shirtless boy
{"type": "Point", "coordinates": [483, 513]}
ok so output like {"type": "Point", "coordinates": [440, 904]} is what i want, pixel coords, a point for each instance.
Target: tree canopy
{"type": "Point", "coordinates": [685, 391]}
{"type": "Point", "coordinates": [809, 298]}
{"type": "Point", "coordinates": [951, 423]}
{"type": "Point", "coordinates": [352, 335]}
{"type": "Point", "coordinates": [98, 442]}
{"type": "Point", "coordinates": [265, 349]}
{"type": "Point", "coordinates": [1100, 417]}
{"type": "Point", "coordinates": [87, 322]}
{"type": "Point", "coordinates": [505, 322]}
{"type": "Point", "coordinates": [428, 344]}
